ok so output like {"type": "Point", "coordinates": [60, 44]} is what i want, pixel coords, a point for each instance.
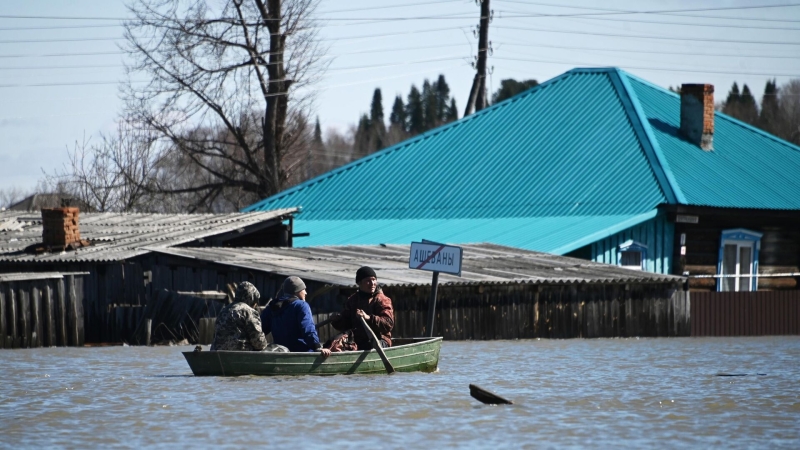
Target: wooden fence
{"type": "Point", "coordinates": [756, 313]}
{"type": "Point", "coordinates": [41, 312]}
{"type": "Point", "coordinates": [546, 311]}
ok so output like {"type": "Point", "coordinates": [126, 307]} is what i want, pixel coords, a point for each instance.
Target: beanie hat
{"type": "Point", "coordinates": [293, 285]}
{"type": "Point", "coordinates": [365, 272]}
{"type": "Point", "coordinates": [246, 292]}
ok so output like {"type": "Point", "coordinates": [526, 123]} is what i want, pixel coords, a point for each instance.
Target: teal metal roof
{"type": "Point", "coordinates": [567, 147]}
{"type": "Point", "coordinates": [546, 170]}
{"type": "Point", "coordinates": [748, 168]}
{"type": "Point", "coordinates": [557, 235]}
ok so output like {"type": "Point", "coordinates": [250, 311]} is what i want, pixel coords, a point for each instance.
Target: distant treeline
{"type": "Point", "coordinates": [422, 110]}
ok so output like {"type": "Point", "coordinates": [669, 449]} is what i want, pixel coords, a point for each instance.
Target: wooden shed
{"type": "Point", "coordinates": [503, 293]}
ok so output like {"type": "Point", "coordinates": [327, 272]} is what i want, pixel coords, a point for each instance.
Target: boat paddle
{"type": "Point", "coordinates": [377, 346]}
{"type": "Point", "coordinates": [486, 397]}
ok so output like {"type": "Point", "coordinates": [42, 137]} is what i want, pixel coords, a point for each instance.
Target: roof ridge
{"type": "Point", "coordinates": [717, 113]}
{"type": "Point", "coordinates": [658, 162]}
{"type": "Point", "coordinates": [400, 145]}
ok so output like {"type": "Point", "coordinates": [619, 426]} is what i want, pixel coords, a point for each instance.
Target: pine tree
{"type": "Point", "coordinates": [361, 142]}
{"type": "Point", "coordinates": [377, 126]}
{"type": "Point", "coordinates": [415, 115]}
{"type": "Point", "coordinates": [511, 87]}
{"type": "Point", "coordinates": [428, 106]}
{"type": "Point", "coordinates": [452, 111]}
{"type": "Point", "coordinates": [442, 98]}
{"type": "Point", "coordinates": [770, 109]}
{"type": "Point", "coordinates": [748, 106]}
{"type": "Point", "coordinates": [397, 120]}
{"type": "Point", "coordinates": [316, 152]}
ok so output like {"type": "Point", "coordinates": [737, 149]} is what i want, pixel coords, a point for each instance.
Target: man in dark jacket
{"type": "Point", "coordinates": [290, 321]}
{"type": "Point", "coordinates": [238, 326]}
{"type": "Point", "coordinates": [371, 304]}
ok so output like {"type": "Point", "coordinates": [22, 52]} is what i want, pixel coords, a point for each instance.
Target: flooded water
{"type": "Point", "coordinates": [632, 393]}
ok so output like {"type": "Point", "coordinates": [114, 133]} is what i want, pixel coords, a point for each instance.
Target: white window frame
{"type": "Point", "coordinates": [740, 237]}
{"type": "Point", "coordinates": [632, 246]}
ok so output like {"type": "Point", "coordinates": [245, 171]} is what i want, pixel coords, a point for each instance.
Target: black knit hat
{"type": "Point", "coordinates": [365, 272]}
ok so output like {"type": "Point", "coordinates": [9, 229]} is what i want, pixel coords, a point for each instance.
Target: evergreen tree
{"type": "Point", "coordinates": [316, 151]}
{"type": "Point", "coordinates": [362, 139]}
{"type": "Point", "coordinates": [442, 98]}
{"type": "Point", "coordinates": [452, 111]}
{"type": "Point", "coordinates": [748, 109]}
{"type": "Point", "coordinates": [318, 135]}
{"type": "Point", "coordinates": [770, 109]}
{"type": "Point", "coordinates": [415, 115]}
{"type": "Point", "coordinates": [377, 126]}
{"type": "Point", "coordinates": [397, 120]}
{"type": "Point", "coordinates": [733, 95]}
{"type": "Point", "coordinates": [428, 106]}
{"type": "Point", "coordinates": [510, 87]}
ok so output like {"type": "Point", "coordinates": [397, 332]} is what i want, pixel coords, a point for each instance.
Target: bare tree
{"type": "Point", "coordinates": [219, 91]}
{"type": "Point", "coordinates": [789, 116]}
{"type": "Point", "coordinates": [112, 175]}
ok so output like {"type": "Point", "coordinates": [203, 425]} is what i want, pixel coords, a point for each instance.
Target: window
{"type": "Point", "coordinates": [738, 260]}
{"type": "Point", "coordinates": [632, 255]}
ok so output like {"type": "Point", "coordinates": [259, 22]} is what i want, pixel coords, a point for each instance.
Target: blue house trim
{"type": "Point", "coordinates": [657, 234]}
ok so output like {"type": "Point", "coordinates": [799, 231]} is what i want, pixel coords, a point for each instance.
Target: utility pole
{"type": "Point", "coordinates": [477, 95]}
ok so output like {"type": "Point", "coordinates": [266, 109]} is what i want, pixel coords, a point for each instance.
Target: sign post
{"type": "Point", "coordinates": [435, 257]}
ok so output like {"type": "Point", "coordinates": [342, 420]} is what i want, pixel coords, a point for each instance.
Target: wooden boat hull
{"type": "Point", "coordinates": [407, 355]}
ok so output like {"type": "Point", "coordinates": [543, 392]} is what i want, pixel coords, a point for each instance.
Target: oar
{"type": "Point", "coordinates": [377, 346]}
{"type": "Point", "coordinates": [487, 397]}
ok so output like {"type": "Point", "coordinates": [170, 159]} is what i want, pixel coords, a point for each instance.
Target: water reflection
{"type": "Point", "coordinates": [580, 393]}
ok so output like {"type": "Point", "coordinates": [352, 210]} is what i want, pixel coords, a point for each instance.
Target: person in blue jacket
{"type": "Point", "coordinates": [289, 319]}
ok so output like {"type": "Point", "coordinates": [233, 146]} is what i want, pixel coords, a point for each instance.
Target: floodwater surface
{"type": "Point", "coordinates": [600, 393]}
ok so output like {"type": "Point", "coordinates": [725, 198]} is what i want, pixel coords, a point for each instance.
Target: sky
{"type": "Point", "coordinates": [60, 61]}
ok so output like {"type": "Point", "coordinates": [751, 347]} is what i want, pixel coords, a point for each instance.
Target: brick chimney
{"type": "Point", "coordinates": [697, 114]}
{"type": "Point", "coordinates": [60, 226]}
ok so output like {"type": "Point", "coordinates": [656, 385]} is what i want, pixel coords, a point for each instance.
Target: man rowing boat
{"type": "Point", "coordinates": [373, 306]}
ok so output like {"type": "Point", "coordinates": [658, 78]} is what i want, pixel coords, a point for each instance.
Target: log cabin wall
{"type": "Point", "coordinates": [779, 253]}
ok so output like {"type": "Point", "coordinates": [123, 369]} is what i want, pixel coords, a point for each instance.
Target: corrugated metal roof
{"type": "Point", "coordinates": [590, 146]}
{"type": "Point", "coordinates": [116, 236]}
{"type": "Point", "coordinates": [546, 234]}
{"type": "Point", "coordinates": [482, 264]}
{"type": "Point", "coordinates": [748, 168]}
{"type": "Point", "coordinates": [567, 147]}
{"type": "Point", "coordinates": [30, 276]}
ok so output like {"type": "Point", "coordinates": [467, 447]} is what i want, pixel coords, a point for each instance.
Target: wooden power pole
{"type": "Point", "coordinates": [477, 95]}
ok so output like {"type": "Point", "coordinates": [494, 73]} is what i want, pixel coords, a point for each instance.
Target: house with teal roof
{"type": "Point", "coordinates": [595, 163]}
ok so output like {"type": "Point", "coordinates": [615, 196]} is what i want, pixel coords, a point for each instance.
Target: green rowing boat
{"type": "Point", "coordinates": [406, 355]}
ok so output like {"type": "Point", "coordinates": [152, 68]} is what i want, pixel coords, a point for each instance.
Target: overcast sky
{"type": "Point", "coordinates": [49, 99]}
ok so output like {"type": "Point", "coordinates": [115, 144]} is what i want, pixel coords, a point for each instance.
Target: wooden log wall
{"type": "Point", "coordinates": [780, 248]}
{"type": "Point", "coordinates": [745, 313]}
{"type": "Point", "coordinates": [42, 313]}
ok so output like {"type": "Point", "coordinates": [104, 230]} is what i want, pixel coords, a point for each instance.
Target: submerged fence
{"type": "Point", "coordinates": [756, 313]}
{"type": "Point", "coordinates": [41, 310]}
{"type": "Point", "coordinates": [546, 311]}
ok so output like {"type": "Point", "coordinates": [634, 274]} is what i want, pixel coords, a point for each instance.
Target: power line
{"type": "Point", "coordinates": [704, 25]}
{"type": "Point", "coordinates": [594, 49]}
{"type": "Point", "coordinates": [639, 36]}
{"type": "Point", "coordinates": [608, 11]}
{"type": "Point", "coordinates": [664, 69]}
{"type": "Point", "coordinates": [37, 17]}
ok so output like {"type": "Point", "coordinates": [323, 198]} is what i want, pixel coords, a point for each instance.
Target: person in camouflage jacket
{"type": "Point", "coordinates": [238, 325]}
